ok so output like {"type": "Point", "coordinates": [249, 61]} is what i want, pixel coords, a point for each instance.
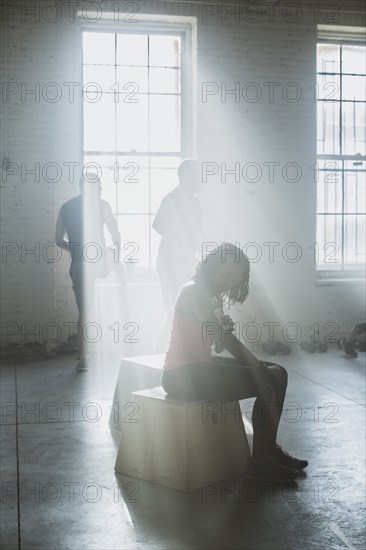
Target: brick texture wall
{"type": "Point", "coordinates": [237, 49]}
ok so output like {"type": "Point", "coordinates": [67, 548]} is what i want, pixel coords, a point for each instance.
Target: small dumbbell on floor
{"type": "Point", "coordinates": [274, 348]}
{"type": "Point", "coordinates": [313, 347]}
{"type": "Point", "coordinates": [361, 346]}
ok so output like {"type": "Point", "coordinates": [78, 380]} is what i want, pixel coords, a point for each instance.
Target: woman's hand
{"type": "Point", "coordinates": [227, 324]}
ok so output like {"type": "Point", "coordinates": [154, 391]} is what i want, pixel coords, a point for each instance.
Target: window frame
{"type": "Point", "coordinates": [340, 35]}
{"type": "Point", "coordinates": [186, 28]}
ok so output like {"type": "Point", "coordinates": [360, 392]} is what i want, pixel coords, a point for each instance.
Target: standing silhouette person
{"type": "Point", "coordinates": [178, 221]}
{"type": "Point", "coordinates": [83, 219]}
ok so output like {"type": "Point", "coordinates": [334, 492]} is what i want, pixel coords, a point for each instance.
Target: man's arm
{"type": "Point", "coordinates": [60, 233]}
{"type": "Point", "coordinates": [163, 219]}
{"type": "Point", "coordinates": [111, 224]}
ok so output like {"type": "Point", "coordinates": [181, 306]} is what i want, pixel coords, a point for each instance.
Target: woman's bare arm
{"type": "Point", "coordinates": [239, 350]}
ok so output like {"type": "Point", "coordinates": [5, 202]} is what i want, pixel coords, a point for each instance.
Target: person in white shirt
{"type": "Point", "coordinates": [178, 221]}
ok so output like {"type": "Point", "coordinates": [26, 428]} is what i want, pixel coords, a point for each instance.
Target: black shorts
{"type": "Point", "coordinates": [221, 380]}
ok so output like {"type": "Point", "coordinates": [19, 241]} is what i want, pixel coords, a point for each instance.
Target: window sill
{"type": "Point", "coordinates": [341, 280]}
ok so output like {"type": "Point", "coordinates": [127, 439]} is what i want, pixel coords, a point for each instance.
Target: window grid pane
{"type": "Point", "coordinates": [131, 82]}
{"type": "Point", "coordinates": [341, 149]}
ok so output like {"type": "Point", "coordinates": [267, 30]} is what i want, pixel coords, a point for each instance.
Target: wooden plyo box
{"type": "Point", "coordinates": [182, 445]}
{"type": "Point", "coordinates": [135, 374]}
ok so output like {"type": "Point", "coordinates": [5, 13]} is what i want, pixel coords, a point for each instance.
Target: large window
{"type": "Point", "coordinates": [132, 87]}
{"type": "Point", "coordinates": [341, 150]}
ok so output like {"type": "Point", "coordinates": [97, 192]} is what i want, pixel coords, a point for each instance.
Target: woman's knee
{"type": "Point", "coordinates": [280, 373]}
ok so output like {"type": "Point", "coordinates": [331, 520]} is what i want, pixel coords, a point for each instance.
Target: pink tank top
{"type": "Point", "coordinates": [189, 343]}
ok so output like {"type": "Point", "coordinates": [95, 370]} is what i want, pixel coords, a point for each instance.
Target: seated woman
{"type": "Point", "coordinates": [192, 373]}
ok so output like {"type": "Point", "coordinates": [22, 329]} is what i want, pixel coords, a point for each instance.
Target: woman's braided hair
{"type": "Point", "coordinates": [207, 265]}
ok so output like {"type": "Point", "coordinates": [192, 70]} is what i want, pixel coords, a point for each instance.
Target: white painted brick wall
{"type": "Point", "coordinates": [227, 131]}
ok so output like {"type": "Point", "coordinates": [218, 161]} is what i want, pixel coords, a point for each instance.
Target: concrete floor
{"type": "Point", "coordinates": [59, 489]}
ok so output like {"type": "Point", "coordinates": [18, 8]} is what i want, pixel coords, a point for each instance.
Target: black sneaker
{"type": "Point", "coordinates": [349, 348]}
{"type": "Point", "coordinates": [270, 470]}
{"type": "Point", "coordinates": [287, 460]}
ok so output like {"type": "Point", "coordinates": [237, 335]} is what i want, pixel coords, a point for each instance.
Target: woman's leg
{"type": "Point", "coordinates": [279, 384]}
{"type": "Point", "coordinates": [229, 381]}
